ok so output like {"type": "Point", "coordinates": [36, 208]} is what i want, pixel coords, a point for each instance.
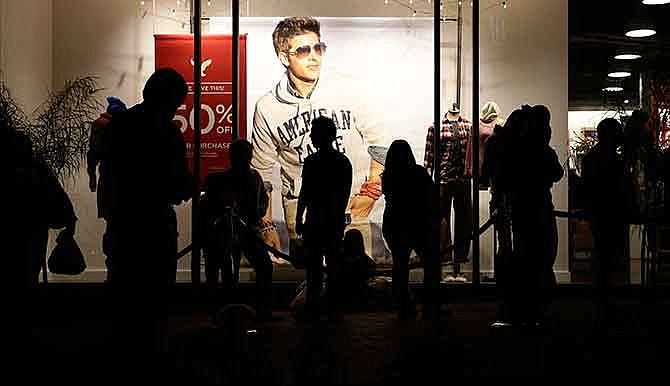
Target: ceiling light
{"type": "Point", "coordinates": [655, 2]}
{"type": "Point", "coordinates": [619, 74]}
{"type": "Point", "coordinates": [613, 89]}
{"type": "Point", "coordinates": [628, 56]}
{"type": "Point", "coordinates": [640, 25]}
{"type": "Point", "coordinates": [641, 33]}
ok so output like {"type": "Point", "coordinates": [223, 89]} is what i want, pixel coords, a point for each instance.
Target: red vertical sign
{"type": "Point", "coordinates": [216, 123]}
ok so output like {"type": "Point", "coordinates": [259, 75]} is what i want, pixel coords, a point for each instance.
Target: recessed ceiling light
{"type": "Point", "coordinates": [655, 2]}
{"type": "Point", "coordinates": [626, 101]}
{"type": "Point", "coordinates": [641, 33]}
{"type": "Point", "coordinates": [613, 89]}
{"type": "Point", "coordinates": [628, 56]}
{"type": "Point", "coordinates": [619, 74]}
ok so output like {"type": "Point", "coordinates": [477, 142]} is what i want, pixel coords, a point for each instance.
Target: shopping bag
{"type": "Point", "coordinates": [66, 257]}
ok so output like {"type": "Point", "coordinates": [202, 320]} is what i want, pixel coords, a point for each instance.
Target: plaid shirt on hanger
{"type": "Point", "coordinates": [453, 144]}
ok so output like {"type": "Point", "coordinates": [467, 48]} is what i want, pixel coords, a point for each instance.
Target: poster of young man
{"type": "Point", "coordinates": [283, 117]}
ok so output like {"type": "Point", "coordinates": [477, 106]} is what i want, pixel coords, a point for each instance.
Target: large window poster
{"type": "Point", "coordinates": [373, 77]}
{"type": "Point", "coordinates": [216, 119]}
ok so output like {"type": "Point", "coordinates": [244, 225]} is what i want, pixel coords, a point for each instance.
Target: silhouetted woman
{"type": "Point", "coordinates": [533, 222]}
{"type": "Point", "coordinates": [410, 223]}
{"type": "Point", "coordinates": [37, 203]}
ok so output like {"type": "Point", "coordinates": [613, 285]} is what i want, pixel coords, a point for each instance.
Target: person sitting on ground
{"type": "Point", "coordinates": [357, 267]}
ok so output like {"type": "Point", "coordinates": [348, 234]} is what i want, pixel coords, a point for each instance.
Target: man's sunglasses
{"type": "Point", "coordinates": [304, 51]}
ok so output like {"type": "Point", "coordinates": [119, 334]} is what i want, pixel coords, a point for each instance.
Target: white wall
{"type": "Point", "coordinates": [26, 46]}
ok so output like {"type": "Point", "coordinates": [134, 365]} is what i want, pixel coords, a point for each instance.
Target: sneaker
{"type": "Point", "coordinates": [461, 279]}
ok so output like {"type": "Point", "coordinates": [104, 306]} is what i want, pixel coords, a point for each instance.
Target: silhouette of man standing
{"type": "Point", "coordinates": [143, 159]}
{"type": "Point", "coordinates": [326, 184]}
{"type": "Point", "coordinates": [606, 190]}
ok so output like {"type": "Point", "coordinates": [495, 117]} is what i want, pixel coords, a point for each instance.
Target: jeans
{"type": "Point", "coordinates": [459, 193]}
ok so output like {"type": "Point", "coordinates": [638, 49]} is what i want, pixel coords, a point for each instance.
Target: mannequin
{"type": "Point", "coordinates": [454, 113]}
{"type": "Point", "coordinates": [455, 186]}
{"type": "Point", "coordinates": [490, 118]}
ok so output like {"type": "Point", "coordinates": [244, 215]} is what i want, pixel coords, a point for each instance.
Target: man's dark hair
{"type": "Point", "coordinates": [240, 153]}
{"type": "Point", "coordinates": [293, 26]}
{"type": "Point", "coordinates": [165, 88]}
{"type": "Point", "coordinates": [324, 131]}
{"type": "Point", "coordinates": [540, 123]}
{"type": "Point", "coordinates": [609, 132]}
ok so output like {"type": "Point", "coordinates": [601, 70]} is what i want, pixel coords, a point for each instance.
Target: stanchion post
{"type": "Point", "coordinates": [475, 140]}
{"type": "Point", "coordinates": [235, 14]}
{"type": "Point", "coordinates": [195, 204]}
{"type": "Point", "coordinates": [437, 94]}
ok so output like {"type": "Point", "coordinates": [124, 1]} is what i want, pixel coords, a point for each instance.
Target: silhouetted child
{"type": "Point", "coordinates": [356, 269]}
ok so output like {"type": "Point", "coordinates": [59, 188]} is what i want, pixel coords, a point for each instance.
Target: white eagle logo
{"type": "Point", "coordinates": [203, 66]}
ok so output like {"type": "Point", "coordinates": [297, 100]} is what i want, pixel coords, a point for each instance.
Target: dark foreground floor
{"type": "Point", "coordinates": [366, 348]}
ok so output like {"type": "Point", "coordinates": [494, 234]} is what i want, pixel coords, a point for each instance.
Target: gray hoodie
{"type": "Point", "coordinates": [282, 122]}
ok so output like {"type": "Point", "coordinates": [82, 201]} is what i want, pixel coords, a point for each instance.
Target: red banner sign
{"type": "Point", "coordinates": [216, 123]}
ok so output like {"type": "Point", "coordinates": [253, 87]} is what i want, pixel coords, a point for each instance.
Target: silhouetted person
{"type": "Point", "coordinates": [411, 223]}
{"type": "Point", "coordinates": [97, 182]}
{"type": "Point", "coordinates": [499, 168]}
{"type": "Point", "coordinates": [144, 162]}
{"type": "Point", "coordinates": [533, 221]}
{"type": "Point", "coordinates": [241, 189]}
{"type": "Point", "coordinates": [324, 194]}
{"type": "Point", "coordinates": [36, 202]}
{"type": "Point", "coordinates": [356, 269]}
{"type": "Point", "coordinates": [606, 189]}
{"type": "Point", "coordinates": [641, 161]}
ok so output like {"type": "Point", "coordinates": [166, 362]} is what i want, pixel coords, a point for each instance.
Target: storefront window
{"type": "Point", "coordinates": [374, 77]}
